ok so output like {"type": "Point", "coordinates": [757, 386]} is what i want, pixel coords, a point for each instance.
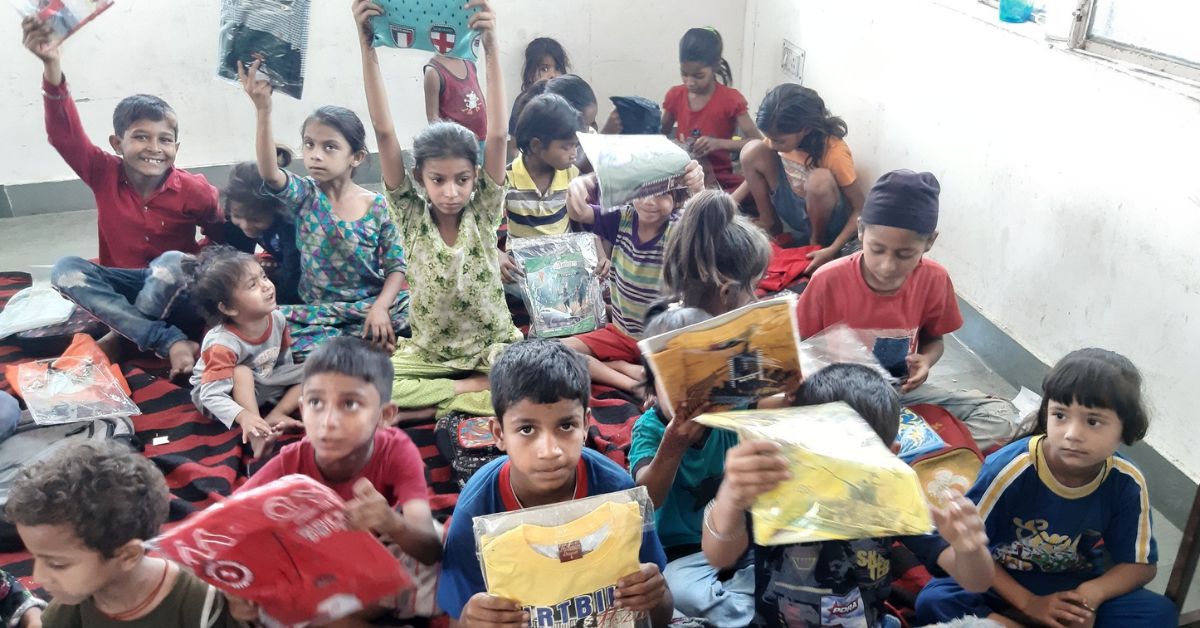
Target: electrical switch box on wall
{"type": "Point", "coordinates": [793, 61]}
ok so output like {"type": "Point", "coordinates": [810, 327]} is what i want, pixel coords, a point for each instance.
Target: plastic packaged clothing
{"type": "Point", "coordinates": [560, 287]}
{"type": "Point", "coordinates": [274, 31]}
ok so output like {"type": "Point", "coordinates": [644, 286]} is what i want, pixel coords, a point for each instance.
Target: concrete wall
{"type": "Point", "coordinates": [1070, 197]}
{"type": "Point", "coordinates": [622, 47]}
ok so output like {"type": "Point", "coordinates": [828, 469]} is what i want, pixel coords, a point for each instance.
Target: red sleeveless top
{"type": "Point", "coordinates": [461, 100]}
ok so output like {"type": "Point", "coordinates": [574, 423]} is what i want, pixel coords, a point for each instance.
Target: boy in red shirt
{"type": "Point", "coordinates": [345, 397]}
{"type": "Point", "coordinates": [147, 215]}
{"type": "Point", "coordinates": [902, 304]}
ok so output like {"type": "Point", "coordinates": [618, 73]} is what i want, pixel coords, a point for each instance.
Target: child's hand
{"type": "Point", "coordinates": [38, 38]}
{"type": "Point", "coordinates": [704, 145]}
{"type": "Point", "coordinates": [510, 272]}
{"type": "Point", "coordinates": [281, 423]}
{"type": "Point", "coordinates": [641, 590]}
{"type": "Point", "coordinates": [364, 10]}
{"type": "Point", "coordinates": [377, 329]}
{"type": "Point", "coordinates": [369, 510]}
{"type": "Point", "coordinates": [603, 265]}
{"type": "Point", "coordinates": [751, 469]}
{"type": "Point", "coordinates": [484, 610]}
{"type": "Point", "coordinates": [960, 524]}
{"type": "Point", "coordinates": [1065, 609]}
{"type": "Point", "coordinates": [484, 21]}
{"type": "Point", "coordinates": [682, 431]}
{"type": "Point", "coordinates": [32, 618]}
{"type": "Point", "coordinates": [819, 258]}
{"type": "Point", "coordinates": [252, 425]}
{"type": "Point", "coordinates": [242, 609]}
{"type": "Point", "coordinates": [693, 177]}
{"type": "Point", "coordinates": [612, 126]}
{"type": "Point", "coordinates": [578, 191]}
{"type": "Point", "coordinates": [258, 89]}
{"type": "Point", "coordinates": [918, 372]}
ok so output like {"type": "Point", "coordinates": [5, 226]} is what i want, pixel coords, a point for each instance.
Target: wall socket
{"type": "Point", "coordinates": [793, 61]}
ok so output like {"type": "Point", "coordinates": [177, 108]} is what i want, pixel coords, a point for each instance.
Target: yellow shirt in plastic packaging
{"type": "Point", "coordinates": [845, 483]}
{"type": "Point", "coordinates": [567, 573]}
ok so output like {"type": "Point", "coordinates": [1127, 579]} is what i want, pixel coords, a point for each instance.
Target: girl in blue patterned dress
{"type": "Point", "coordinates": [352, 266]}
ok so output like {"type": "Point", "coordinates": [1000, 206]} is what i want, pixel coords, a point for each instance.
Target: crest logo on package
{"type": "Point", "coordinates": [402, 36]}
{"type": "Point", "coordinates": [438, 26]}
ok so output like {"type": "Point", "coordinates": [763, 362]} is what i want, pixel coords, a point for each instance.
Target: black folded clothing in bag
{"type": "Point", "coordinates": [639, 116]}
{"type": "Point", "coordinates": [275, 31]}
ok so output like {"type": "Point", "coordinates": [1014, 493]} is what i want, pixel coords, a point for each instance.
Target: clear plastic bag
{"type": "Point", "coordinates": [274, 31]}
{"type": "Point", "coordinates": [838, 344]}
{"type": "Point", "coordinates": [33, 308]}
{"type": "Point", "coordinates": [731, 360]}
{"type": "Point", "coordinates": [71, 389]}
{"type": "Point", "coordinates": [65, 17]}
{"type": "Point", "coordinates": [561, 562]}
{"type": "Point", "coordinates": [634, 166]}
{"type": "Point", "coordinates": [560, 287]}
{"type": "Point", "coordinates": [437, 26]}
{"type": "Point", "coordinates": [845, 483]}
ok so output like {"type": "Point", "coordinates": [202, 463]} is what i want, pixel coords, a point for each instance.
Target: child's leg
{"type": "Point", "coordinates": [635, 371]}
{"type": "Point", "coordinates": [280, 417]}
{"type": "Point", "coordinates": [821, 194]}
{"type": "Point", "coordinates": [699, 593]}
{"type": "Point", "coordinates": [943, 599]}
{"type": "Point", "coordinates": [604, 374]}
{"type": "Point", "coordinates": [133, 302]}
{"type": "Point", "coordinates": [432, 388]}
{"type": "Point", "coordinates": [991, 420]}
{"type": "Point", "coordinates": [760, 168]}
{"type": "Point", "coordinates": [1137, 608]}
{"type": "Point", "coordinates": [244, 394]}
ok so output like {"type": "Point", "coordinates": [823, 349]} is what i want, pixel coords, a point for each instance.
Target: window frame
{"type": "Point", "coordinates": [1081, 38]}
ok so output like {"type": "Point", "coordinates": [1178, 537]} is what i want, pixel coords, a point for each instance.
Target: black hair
{"type": "Point", "coordinates": [792, 108]}
{"type": "Point", "coordinates": [713, 247]}
{"type": "Point", "coordinates": [704, 45]}
{"type": "Point", "coordinates": [142, 107]}
{"type": "Point", "coordinates": [531, 92]}
{"type": "Point", "coordinates": [1098, 378]}
{"type": "Point", "coordinates": [246, 188]}
{"type": "Point", "coordinates": [860, 388]}
{"type": "Point", "coordinates": [353, 357]}
{"type": "Point", "coordinates": [547, 117]}
{"type": "Point", "coordinates": [538, 48]}
{"type": "Point", "coordinates": [343, 121]}
{"type": "Point", "coordinates": [218, 272]}
{"type": "Point", "coordinates": [104, 491]}
{"type": "Point", "coordinates": [445, 140]}
{"type": "Point", "coordinates": [541, 371]}
{"type": "Point", "coordinates": [663, 316]}
{"type": "Point", "coordinates": [574, 89]}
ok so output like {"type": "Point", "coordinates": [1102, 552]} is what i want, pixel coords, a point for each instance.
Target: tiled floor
{"type": "Point", "coordinates": [39, 240]}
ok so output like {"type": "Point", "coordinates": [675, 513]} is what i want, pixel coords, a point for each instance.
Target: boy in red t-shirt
{"type": "Point", "coordinates": [345, 396]}
{"type": "Point", "coordinates": [902, 304]}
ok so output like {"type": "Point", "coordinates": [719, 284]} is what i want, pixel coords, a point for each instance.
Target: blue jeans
{"type": "Point", "coordinates": [698, 593]}
{"type": "Point", "coordinates": [149, 306]}
{"type": "Point", "coordinates": [10, 415]}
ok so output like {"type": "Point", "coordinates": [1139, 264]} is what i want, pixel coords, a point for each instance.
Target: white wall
{"type": "Point", "coordinates": [1070, 195]}
{"type": "Point", "coordinates": [622, 47]}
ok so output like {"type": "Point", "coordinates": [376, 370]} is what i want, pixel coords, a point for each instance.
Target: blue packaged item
{"type": "Point", "coordinates": [916, 438]}
{"type": "Point", "coordinates": [1016, 11]}
{"type": "Point", "coordinates": [437, 26]}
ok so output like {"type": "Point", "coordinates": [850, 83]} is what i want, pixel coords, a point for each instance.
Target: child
{"type": "Point", "coordinates": [544, 59]}
{"type": "Point", "coordinates": [353, 276]}
{"type": "Point", "coordinates": [448, 226]}
{"type": "Point", "coordinates": [376, 469]}
{"type": "Point", "coordinates": [452, 93]}
{"type": "Point", "coordinates": [635, 238]}
{"type": "Point", "coordinates": [540, 390]}
{"type": "Point", "coordinates": [1053, 503]}
{"type": "Point", "coordinates": [705, 114]}
{"type": "Point", "coordinates": [246, 359]}
{"type": "Point", "coordinates": [147, 212]}
{"type": "Point", "coordinates": [269, 222]}
{"type": "Point", "coordinates": [890, 287]}
{"type": "Point", "coordinates": [18, 607]}
{"type": "Point", "coordinates": [802, 177]}
{"type": "Point", "coordinates": [535, 200]}
{"type": "Point", "coordinates": [580, 95]}
{"type": "Point", "coordinates": [681, 462]}
{"type": "Point", "coordinates": [85, 513]}
{"type": "Point", "coordinates": [833, 583]}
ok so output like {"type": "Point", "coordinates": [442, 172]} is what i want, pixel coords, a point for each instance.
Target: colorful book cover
{"type": "Point", "coordinates": [65, 17]}
{"type": "Point", "coordinates": [731, 360]}
{"type": "Point", "coordinates": [561, 290]}
{"type": "Point", "coordinates": [916, 438]}
{"type": "Point", "coordinates": [437, 26]}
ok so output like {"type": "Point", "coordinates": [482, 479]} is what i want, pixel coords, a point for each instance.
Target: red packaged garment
{"type": "Point", "coordinates": [785, 268]}
{"type": "Point", "coordinates": [285, 546]}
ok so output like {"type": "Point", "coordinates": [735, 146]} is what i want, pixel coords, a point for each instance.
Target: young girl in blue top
{"type": "Point", "coordinates": [352, 264]}
{"type": "Point", "coordinates": [448, 227]}
{"type": "Point", "coordinates": [1068, 518]}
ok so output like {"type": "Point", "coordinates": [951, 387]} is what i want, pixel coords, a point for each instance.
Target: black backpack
{"type": "Point", "coordinates": [467, 442]}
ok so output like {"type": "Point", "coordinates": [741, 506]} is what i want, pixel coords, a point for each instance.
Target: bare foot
{"type": "Point", "coordinates": [405, 415]}
{"type": "Point", "coordinates": [183, 358]}
{"type": "Point", "coordinates": [629, 369]}
{"type": "Point", "coordinates": [475, 383]}
{"type": "Point", "coordinates": [115, 346]}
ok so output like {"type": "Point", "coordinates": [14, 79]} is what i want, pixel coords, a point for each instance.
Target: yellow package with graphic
{"type": "Point", "coordinates": [845, 483]}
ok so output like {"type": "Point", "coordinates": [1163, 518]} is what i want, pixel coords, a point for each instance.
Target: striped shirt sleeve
{"type": "Point", "coordinates": [1130, 538]}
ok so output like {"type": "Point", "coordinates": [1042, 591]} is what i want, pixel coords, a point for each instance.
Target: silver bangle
{"type": "Point", "coordinates": [709, 526]}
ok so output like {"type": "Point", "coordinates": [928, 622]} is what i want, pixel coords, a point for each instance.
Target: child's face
{"type": "Point", "coordinates": [589, 117]}
{"type": "Point", "coordinates": [449, 183]}
{"type": "Point", "coordinates": [327, 154]}
{"type": "Point", "coordinates": [148, 147]}
{"type": "Point", "coordinates": [547, 69]}
{"type": "Point", "coordinates": [654, 209]}
{"type": "Point", "coordinates": [558, 154]}
{"type": "Point", "coordinates": [890, 254]}
{"type": "Point", "coordinates": [69, 570]}
{"type": "Point", "coordinates": [340, 415]}
{"type": "Point", "coordinates": [544, 442]}
{"type": "Point", "coordinates": [697, 77]}
{"type": "Point", "coordinates": [254, 295]}
{"type": "Point", "coordinates": [785, 142]}
{"type": "Point", "coordinates": [252, 224]}
{"type": "Point", "coordinates": [1078, 438]}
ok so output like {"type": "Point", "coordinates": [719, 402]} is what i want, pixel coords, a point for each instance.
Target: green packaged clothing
{"type": "Point", "coordinates": [191, 602]}
{"type": "Point", "coordinates": [679, 519]}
